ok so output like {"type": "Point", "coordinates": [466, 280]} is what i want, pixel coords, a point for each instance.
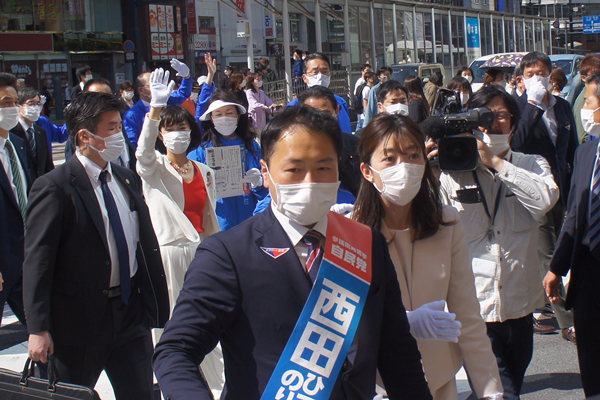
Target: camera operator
{"type": "Point", "coordinates": [501, 203]}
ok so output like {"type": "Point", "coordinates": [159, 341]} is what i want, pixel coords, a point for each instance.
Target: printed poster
{"type": "Point", "coordinates": [170, 19]}
{"type": "Point", "coordinates": [227, 164]}
{"type": "Point", "coordinates": [153, 18]}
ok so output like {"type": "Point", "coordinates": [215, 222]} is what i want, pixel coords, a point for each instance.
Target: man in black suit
{"type": "Point", "coordinates": [15, 181]}
{"type": "Point", "coordinates": [247, 286]}
{"type": "Point", "coordinates": [83, 74]}
{"type": "Point", "coordinates": [93, 279]}
{"type": "Point", "coordinates": [579, 245]}
{"type": "Point", "coordinates": [38, 147]}
{"type": "Point", "coordinates": [547, 128]}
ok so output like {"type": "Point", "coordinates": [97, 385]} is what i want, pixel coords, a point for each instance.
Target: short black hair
{"type": "Point", "coordinates": [298, 52]}
{"type": "Point", "coordinates": [82, 71]}
{"type": "Point", "coordinates": [518, 71]}
{"type": "Point", "coordinates": [370, 75]}
{"type": "Point", "coordinates": [86, 110]}
{"type": "Point", "coordinates": [364, 66]}
{"type": "Point", "coordinates": [316, 56]}
{"type": "Point", "coordinates": [126, 85]}
{"type": "Point", "coordinates": [313, 120]}
{"type": "Point", "coordinates": [487, 93]}
{"type": "Point", "coordinates": [319, 92]}
{"type": "Point", "coordinates": [460, 84]}
{"type": "Point", "coordinates": [383, 70]}
{"type": "Point", "coordinates": [175, 115]}
{"type": "Point", "coordinates": [96, 81]}
{"type": "Point", "coordinates": [533, 58]}
{"type": "Point", "coordinates": [26, 93]}
{"type": "Point", "coordinates": [7, 79]}
{"type": "Point", "coordinates": [388, 87]}
{"type": "Point", "coordinates": [594, 79]}
{"type": "Point", "coordinates": [436, 78]}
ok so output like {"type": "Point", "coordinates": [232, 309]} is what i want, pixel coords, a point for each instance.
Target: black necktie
{"type": "Point", "coordinates": [312, 239]}
{"type": "Point", "coordinates": [117, 227]}
{"type": "Point", "coordinates": [31, 139]}
{"type": "Point", "coordinates": [17, 181]}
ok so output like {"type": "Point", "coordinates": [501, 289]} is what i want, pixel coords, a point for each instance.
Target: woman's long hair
{"type": "Point", "coordinates": [235, 80]}
{"type": "Point", "coordinates": [426, 210]}
{"type": "Point", "coordinates": [415, 92]}
{"type": "Point", "coordinates": [243, 127]}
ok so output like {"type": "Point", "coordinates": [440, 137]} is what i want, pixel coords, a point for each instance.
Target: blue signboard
{"type": "Point", "coordinates": [591, 24]}
{"type": "Point", "coordinates": [473, 39]}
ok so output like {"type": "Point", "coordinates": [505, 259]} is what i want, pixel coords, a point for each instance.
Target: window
{"type": "Point", "coordinates": [206, 22]}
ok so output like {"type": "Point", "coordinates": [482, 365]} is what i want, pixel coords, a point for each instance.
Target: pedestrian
{"type": "Point", "coordinates": [364, 68]}
{"type": "Point", "coordinates": [237, 86]}
{"type": "Point", "coordinates": [318, 73]}
{"type": "Point", "coordinates": [15, 183]}
{"type": "Point", "coordinates": [83, 74]}
{"type": "Point", "coordinates": [363, 96]}
{"type": "Point", "coordinates": [222, 298]}
{"type": "Point", "coordinates": [501, 204]}
{"type": "Point", "coordinates": [180, 194]}
{"type": "Point", "coordinates": [270, 75]}
{"type": "Point", "coordinates": [126, 91]}
{"type": "Point", "coordinates": [461, 86]}
{"type": "Point", "coordinates": [93, 278]}
{"type": "Point", "coordinates": [589, 65]}
{"type": "Point", "coordinates": [225, 123]}
{"type": "Point", "coordinates": [384, 74]}
{"type": "Point", "coordinates": [224, 84]}
{"type": "Point", "coordinates": [399, 196]}
{"type": "Point", "coordinates": [133, 120]}
{"type": "Point", "coordinates": [465, 72]}
{"type": "Point", "coordinates": [418, 108]}
{"type": "Point", "coordinates": [260, 106]}
{"type": "Point", "coordinates": [298, 69]}
{"type": "Point", "coordinates": [436, 80]}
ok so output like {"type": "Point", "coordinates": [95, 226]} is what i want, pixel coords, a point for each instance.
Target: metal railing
{"type": "Point", "coordinates": [339, 84]}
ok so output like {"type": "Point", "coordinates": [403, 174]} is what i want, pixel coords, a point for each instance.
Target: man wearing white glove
{"type": "Point", "coordinates": [547, 128]}
{"type": "Point", "coordinates": [133, 120]}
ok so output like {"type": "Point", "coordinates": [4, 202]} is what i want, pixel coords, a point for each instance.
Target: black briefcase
{"type": "Point", "coordinates": [21, 386]}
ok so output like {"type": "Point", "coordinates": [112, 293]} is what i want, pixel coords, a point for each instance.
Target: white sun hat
{"type": "Point", "coordinates": [218, 104]}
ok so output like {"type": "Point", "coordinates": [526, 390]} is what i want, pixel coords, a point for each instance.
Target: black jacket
{"type": "Point", "coordinates": [41, 163]}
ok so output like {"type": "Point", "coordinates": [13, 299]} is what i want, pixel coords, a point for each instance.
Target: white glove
{"type": "Point", "coordinates": [160, 88]}
{"type": "Point", "coordinates": [182, 69]}
{"type": "Point", "coordinates": [343, 208]}
{"type": "Point", "coordinates": [536, 91]}
{"type": "Point", "coordinates": [42, 99]}
{"type": "Point", "coordinates": [430, 322]}
{"type": "Point", "coordinates": [253, 177]}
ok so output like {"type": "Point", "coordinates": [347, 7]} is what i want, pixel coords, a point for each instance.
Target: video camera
{"type": "Point", "coordinates": [456, 153]}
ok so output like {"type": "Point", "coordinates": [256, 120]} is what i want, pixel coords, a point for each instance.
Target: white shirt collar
{"type": "Point", "coordinates": [24, 124]}
{"type": "Point", "coordinates": [81, 85]}
{"type": "Point", "coordinates": [296, 231]}
{"type": "Point", "coordinates": [3, 142]}
{"type": "Point", "coordinates": [145, 103]}
{"type": "Point", "coordinates": [92, 169]}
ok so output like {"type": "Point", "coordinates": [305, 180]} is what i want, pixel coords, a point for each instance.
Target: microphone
{"type": "Point", "coordinates": [433, 127]}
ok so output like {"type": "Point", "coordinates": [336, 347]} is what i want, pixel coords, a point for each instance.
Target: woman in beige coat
{"type": "Point", "coordinates": [399, 196]}
{"type": "Point", "coordinates": [180, 194]}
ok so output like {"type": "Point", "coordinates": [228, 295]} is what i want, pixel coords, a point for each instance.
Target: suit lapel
{"type": "Point", "coordinates": [5, 185]}
{"type": "Point", "coordinates": [404, 285]}
{"type": "Point", "coordinates": [272, 235]}
{"type": "Point", "coordinates": [82, 184]}
{"type": "Point", "coordinates": [586, 181]}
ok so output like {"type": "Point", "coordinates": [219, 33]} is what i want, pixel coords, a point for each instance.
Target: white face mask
{"type": "Point", "coordinates": [587, 120]}
{"type": "Point", "coordinates": [115, 144]}
{"type": "Point", "coordinates": [258, 84]}
{"type": "Point", "coordinates": [383, 79]}
{"type": "Point", "coordinates": [225, 125]}
{"type": "Point", "coordinates": [397, 108]}
{"type": "Point", "coordinates": [318, 80]}
{"type": "Point", "coordinates": [9, 117]}
{"type": "Point", "coordinates": [32, 113]}
{"type": "Point", "coordinates": [468, 78]}
{"type": "Point", "coordinates": [497, 143]}
{"type": "Point", "coordinates": [305, 203]}
{"type": "Point", "coordinates": [531, 81]}
{"type": "Point", "coordinates": [243, 84]}
{"type": "Point", "coordinates": [87, 78]}
{"type": "Point", "coordinates": [401, 182]}
{"type": "Point", "coordinates": [464, 97]}
{"type": "Point", "coordinates": [177, 141]}
{"type": "Point", "coordinates": [502, 83]}
{"type": "Point", "coordinates": [128, 95]}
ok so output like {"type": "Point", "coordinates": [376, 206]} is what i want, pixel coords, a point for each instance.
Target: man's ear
{"type": "Point", "coordinates": [265, 173]}
{"type": "Point", "coordinates": [381, 107]}
{"type": "Point", "coordinates": [305, 78]}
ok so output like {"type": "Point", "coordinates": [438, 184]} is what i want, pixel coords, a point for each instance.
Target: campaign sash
{"type": "Point", "coordinates": [315, 352]}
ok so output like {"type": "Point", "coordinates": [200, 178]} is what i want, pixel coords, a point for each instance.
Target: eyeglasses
{"type": "Point", "coordinates": [32, 103]}
{"type": "Point", "coordinates": [503, 116]}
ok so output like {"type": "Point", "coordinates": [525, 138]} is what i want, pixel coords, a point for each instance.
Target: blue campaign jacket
{"type": "Point", "coordinates": [133, 120]}
{"type": "Point", "coordinates": [205, 94]}
{"type": "Point", "coordinates": [236, 293]}
{"type": "Point", "coordinates": [343, 115]}
{"type": "Point", "coordinates": [371, 109]}
{"type": "Point", "coordinates": [233, 210]}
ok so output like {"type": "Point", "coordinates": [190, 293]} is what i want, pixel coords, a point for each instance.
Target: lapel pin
{"type": "Point", "coordinates": [127, 180]}
{"type": "Point", "coordinates": [274, 252]}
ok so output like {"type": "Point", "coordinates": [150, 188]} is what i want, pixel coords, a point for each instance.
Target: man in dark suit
{"type": "Point", "coordinates": [247, 286]}
{"type": "Point", "coordinates": [93, 279]}
{"type": "Point", "coordinates": [579, 246]}
{"type": "Point", "coordinates": [83, 74]}
{"type": "Point", "coordinates": [547, 128]}
{"type": "Point", "coordinates": [38, 147]}
{"type": "Point", "coordinates": [15, 181]}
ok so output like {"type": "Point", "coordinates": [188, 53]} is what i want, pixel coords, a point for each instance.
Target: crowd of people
{"type": "Point", "coordinates": [351, 267]}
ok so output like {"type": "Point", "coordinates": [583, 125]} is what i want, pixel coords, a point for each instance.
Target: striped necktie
{"type": "Point", "coordinates": [312, 239]}
{"type": "Point", "coordinates": [17, 178]}
{"type": "Point", "coordinates": [594, 228]}
{"type": "Point", "coordinates": [31, 139]}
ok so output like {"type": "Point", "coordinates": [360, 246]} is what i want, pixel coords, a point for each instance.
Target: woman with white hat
{"type": "Point", "coordinates": [225, 123]}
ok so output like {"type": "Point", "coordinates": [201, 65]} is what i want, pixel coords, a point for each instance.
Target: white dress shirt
{"type": "Point", "coordinates": [129, 219]}
{"type": "Point", "coordinates": [24, 125]}
{"type": "Point", "coordinates": [505, 254]}
{"type": "Point", "coordinates": [549, 118]}
{"type": "Point", "coordinates": [5, 159]}
{"type": "Point", "coordinates": [296, 232]}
